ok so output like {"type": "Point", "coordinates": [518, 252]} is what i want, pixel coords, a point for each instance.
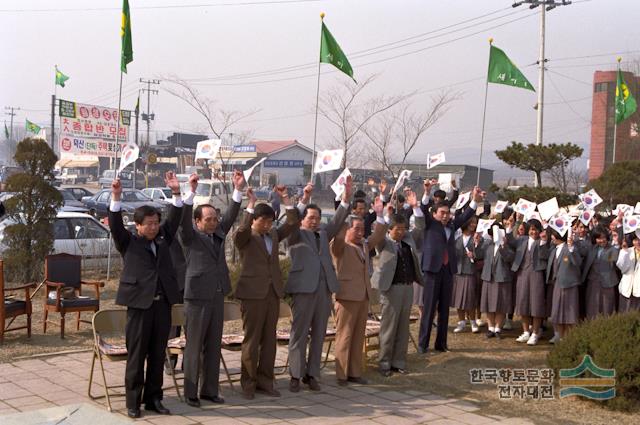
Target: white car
{"type": "Point", "coordinates": [158, 193]}
{"type": "Point", "coordinates": [77, 234]}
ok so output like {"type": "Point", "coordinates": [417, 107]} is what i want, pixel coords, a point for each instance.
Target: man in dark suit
{"type": "Point", "coordinates": [148, 288]}
{"type": "Point", "coordinates": [438, 264]}
{"type": "Point", "coordinates": [207, 283]}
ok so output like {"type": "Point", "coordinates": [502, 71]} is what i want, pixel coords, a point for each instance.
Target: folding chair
{"type": "Point", "coordinates": [231, 342]}
{"type": "Point", "coordinates": [175, 346]}
{"type": "Point", "coordinates": [106, 323]}
{"type": "Point", "coordinates": [283, 335]}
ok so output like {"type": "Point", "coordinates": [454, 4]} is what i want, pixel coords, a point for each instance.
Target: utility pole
{"type": "Point", "coordinates": [547, 5]}
{"type": "Point", "coordinates": [11, 114]}
{"type": "Point", "coordinates": [148, 117]}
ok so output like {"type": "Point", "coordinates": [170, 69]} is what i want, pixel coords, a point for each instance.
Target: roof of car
{"type": "Point", "coordinates": [64, 214]}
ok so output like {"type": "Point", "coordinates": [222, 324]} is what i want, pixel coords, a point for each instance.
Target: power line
{"type": "Point", "coordinates": [174, 6]}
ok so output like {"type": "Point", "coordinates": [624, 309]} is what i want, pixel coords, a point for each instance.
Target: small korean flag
{"type": "Point", "coordinates": [500, 206]}
{"type": "Point", "coordinates": [586, 216]}
{"type": "Point", "coordinates": [130, 153]}
{"type": "Point", "coordinates": [630, 223]}
{"type": "Point", "coordinates": [338, 185]}
{"type": "Point", "coordinates": [590, 199]}
{"type": "Point", "coordinates": [434, 160]}
{"type": "Point", "coordinates": [328, 160]}
{"type": "Point", "coordinates": [208, 149]}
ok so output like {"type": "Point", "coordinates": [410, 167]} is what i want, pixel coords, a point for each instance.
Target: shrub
{"type": "Point", "coordinates": [613, 343]}
{"type": "Point", "coordinates": [536, 194]}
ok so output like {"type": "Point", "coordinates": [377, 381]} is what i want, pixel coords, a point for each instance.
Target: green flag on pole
{"type": "Point", "coordinates": [503, 71]}
{"type": "Point", "coordinates": [60, 77]}
{"type": "Point", "coordinates": [6, 131]}
{"type": "Point", "coordinates": [33, 128]}
{"type": "Point", "coordinates": [125, 34]}
{"type": "Point", "coordinates": [625, 103]}
{"type": "Point", "coordinates": [330, 52]}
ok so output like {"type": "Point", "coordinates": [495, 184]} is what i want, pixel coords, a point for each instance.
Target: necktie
{"type": "Point", "coordinates": [266, 244]}
{"type": "Point", "coordinates": [152, 246]}
{"type": "Point", "coordinates": [600, 250]}
{"type": "Point", "coordinates": [317, 240]}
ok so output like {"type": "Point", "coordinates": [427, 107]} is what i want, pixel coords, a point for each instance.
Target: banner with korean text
{"type": "Point", "coordinates": [82, 121]}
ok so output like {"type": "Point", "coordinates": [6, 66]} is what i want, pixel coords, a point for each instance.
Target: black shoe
{"type": "Point", "coordinates": [385, 372]}
{"type": "Point", "coordinates": [294, 385]}
{"type": "Point", "coordinates": [156, 406]}
{"type": "Point", "coordinates": [357, 380]}
{"type": "Point", "coordinates": [213, 399]}
{"type": "Point", "coordinates": [399, 370]}
{"type": "Point", "coordinates": [133, 413]}
{"type": "Point", "coordinates": [497, 334]}
{"type": "Point", "coordinates": [490, 334]}
{"type": "Point", "coordinates": [443, 349]}
{"type": "Point", "coordinates": [311, 382]}
{"type": "Point", "coordinates": [422, 350]}
{"type": "Point", "coordinates": [193, 402]}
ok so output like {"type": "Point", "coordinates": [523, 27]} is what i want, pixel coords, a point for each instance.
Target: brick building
{"type": "Point", "coordinates": [602, 124]}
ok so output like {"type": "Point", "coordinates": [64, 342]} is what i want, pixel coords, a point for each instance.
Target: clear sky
{"type": "Point", "coordinates": [446, 48]}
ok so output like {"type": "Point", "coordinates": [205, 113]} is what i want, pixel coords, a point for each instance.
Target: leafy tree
{"type": "Point", "coordinates": [619, 184]}
{"type": "Point", "coordinates": [538, 158]}
{"type": "Point", "coordinates": [33, 209]}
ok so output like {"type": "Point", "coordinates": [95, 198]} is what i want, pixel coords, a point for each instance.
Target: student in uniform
{"type": "Point", "coordinates": [600, 276]}
{"type": "Point", "coordinates": [464, 281]}
{"type": "Point", "coordinates": [497, 289]}
{"type": "Point", "coordinates": [529, 264]}
{"type": "Point", "coordinates": [629, 264]}
{"type": "Point", "coordinates": [563, 272]}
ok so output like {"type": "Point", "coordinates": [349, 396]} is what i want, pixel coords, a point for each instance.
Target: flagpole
{"type": "Point", "coordinates": [615, 120]}
{"type": "Point", "coordinates": [484, 117]}
{"type": "Point", "coordinates": [115, 163]}
{"type": "Point", "coordinates": [53, 108]}
{"type": "Point", "coordinates": [315, 126]}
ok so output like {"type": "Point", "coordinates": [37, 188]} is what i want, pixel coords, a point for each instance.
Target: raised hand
{"type": "Point", "coordinates": [193, 182]}
{"type": "Point", "coordinates": [116, 189]}
{"type": "Point", "coordinates": [252, 197]}
{"type": "Point", "coordinates": [378, 206]}
{"type": "Point", "coordinates": [478, 194]}
{"type": "Point", "coordinates": [348, 189]}
{"type": "Point", "coordinates": [382, 186]}
{"type": "Point", "coordinates": [238, 180]}
{"type": "Point", "coordinates": [306, 193]}
{"type": "Point", "coordinates": [284, 194]}
{"type": "Point", "coordinates": [427, 186]}
{"type": "Point", "coordinates": [172, 182]}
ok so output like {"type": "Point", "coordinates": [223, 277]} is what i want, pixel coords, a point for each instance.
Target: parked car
{"type": "Point", "coordinates": [71, 201]}
{"type": "Point", "coordinates": [74, 207]}
{"type": "Point", "coordinates": [126, 178]}
{"type": "Point", "coordinates": [77, 234]}
{"type": "Point", "coordinates": [158, 193]}
{"type": "Point", "coordinates": [79, 192]}
{"type": "Point", "coordinates": [210, 192]}
{"type": "Point", "coordinates": [263, 192]}
{"type": "Point", "coordinates": [6, 172]}
{"type": "Point", "coordinates": [98, 204]}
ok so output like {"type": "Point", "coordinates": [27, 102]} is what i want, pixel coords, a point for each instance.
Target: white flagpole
{"type": "Point", "coordinates": [115, 163]}
{"type": "Point", "coordinates": [315, 126]}
{"type": "Point", "coordinates": [484, 116]}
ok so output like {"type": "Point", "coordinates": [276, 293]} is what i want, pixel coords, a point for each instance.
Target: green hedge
{"type": "Point", "coordinates": [613, 343]}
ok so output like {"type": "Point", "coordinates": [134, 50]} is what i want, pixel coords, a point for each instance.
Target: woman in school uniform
{"type": "Point", "coordinates": [600, 276]}
{"type": "Point", "coordinates": [476, 314]}
{"type": "Point", "coordinates": [629, 264]}
{"type": "Point", "coordinates": [563, 272]}
{"type": "Point", "coordinates": [463, 297]}
{"type": "Point", "coordinates": [497, 289]}
{"type": "Point", "coordinates": [529, 264]}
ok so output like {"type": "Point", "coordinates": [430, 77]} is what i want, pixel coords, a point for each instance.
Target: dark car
{"type": "Point", "coordinates": [79, 192]}
{"type": "Point", "coordinates": [98, 204]}
{"type": "Point", "coordinates": [71, 202]}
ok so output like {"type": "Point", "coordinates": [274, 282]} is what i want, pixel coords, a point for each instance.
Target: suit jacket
{"type": "Point", "coordinates": [521, 246]}
{"type": "Point", "coordinates": [260, 269]}
{"type": "Point", "coordinates": [568, 274]}
{"type": "Point", "coordinates": [435, 241]}
{"type": "Point", "coordinates": [307, 261]}
{"type": "Point", "coordinates": [206, 265]}
{"type": "Point", "coordinates": [606, 266]}
{"type": "Point", "coordinates": [496, 268]}
{"type": "Point", "coordinates": [387, 258]}
{"type": "Point", "coordinates": [352, 264]}
{"type": "Point", "coordinates": [141, 270]}
{"type": "Point", "coordinates": [464, 265]}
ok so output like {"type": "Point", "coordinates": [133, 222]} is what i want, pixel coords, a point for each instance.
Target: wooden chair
{"type": "Point", "coordinates": [175, 346]}
{"type": "Point", "coordinates": [13, 307]}
{"type": "Point", "coordinates": [233, 341]}
{"type": "Point", "coordinates": [108, 323]}
{"type": "Point", "coordinates": [63, 289]}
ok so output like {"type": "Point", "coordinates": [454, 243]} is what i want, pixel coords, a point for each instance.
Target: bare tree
{"type": "Point", "coordinates": [568, 179]}
{"type": "Point", "coordinates": [218, 120]}
{"type": "Point", "coordinates": [341, 106]}
{"type": "Point", "coordinates": [394, 136]}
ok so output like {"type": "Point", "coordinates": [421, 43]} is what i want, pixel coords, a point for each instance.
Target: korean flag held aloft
{"type": "Point", "coordinates": [328, 160]}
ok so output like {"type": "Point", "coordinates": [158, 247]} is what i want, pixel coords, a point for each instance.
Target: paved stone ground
{"type": "Point", "coordinates": [61, 380]}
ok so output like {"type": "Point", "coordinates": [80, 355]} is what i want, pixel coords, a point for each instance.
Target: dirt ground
{"type": "Point", "coordinates": [446, 374]}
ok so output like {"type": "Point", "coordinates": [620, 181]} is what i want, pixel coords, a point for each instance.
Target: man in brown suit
{"type": "Point", "coordinates": [350, 252]}
{"type": "Point", "coordinates": [259, 289]}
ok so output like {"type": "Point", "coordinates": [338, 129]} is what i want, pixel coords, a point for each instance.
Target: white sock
{"type": "Point", "coordinates": [497, 329]}
{"type": "Point", "coordinates": [491, 329]}
{"type": "Point", "coordinates": [556, 334]}
{"type": "Point", "coordinates": [462, 322]}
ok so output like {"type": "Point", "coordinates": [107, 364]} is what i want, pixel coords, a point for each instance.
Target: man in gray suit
{"type": "Point", "coordinates": [312, 279]}
{"type": "Point", "coordinates": [207, 282]}
{"type": "Point", "coordinates": [397, 268]}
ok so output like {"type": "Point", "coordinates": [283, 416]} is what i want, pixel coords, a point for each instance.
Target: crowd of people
{"type": "Point", "coordinates": [401, 248]}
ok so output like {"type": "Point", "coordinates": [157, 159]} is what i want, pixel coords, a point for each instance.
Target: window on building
{"type": "Point", "coordinates": [598, 87]}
